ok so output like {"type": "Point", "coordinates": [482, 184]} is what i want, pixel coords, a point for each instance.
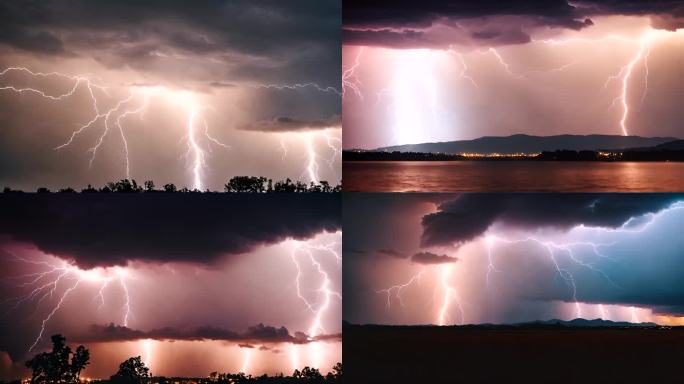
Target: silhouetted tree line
{"type": "Point", "coordinates": [306, 375]}
{"type": "Point", "coordinates": [246, 184]}
{"type": "Point", "coordinates": [63, 366]}
{"type": "Point", "coordinates": [263, 185]}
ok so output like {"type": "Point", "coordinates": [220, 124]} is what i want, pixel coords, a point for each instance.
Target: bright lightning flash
{"type": "Point", "coordinates": [448, 292]}
{"type": "Point", "coordinates": [560, 254]}
{"type": "Point", "coordinates": [55, 276]}
{"type": "Point", "coordinates": [644, 42]}
{"type": "Point", "coordinates": [312, 169]}
{"type": "Point", "coordinates": [349, 78]}
{"type": "Point", "coordinates": [303, 252]}
{"type": "Point", "coordinates": [554, 248]}
{"type": "Point", "coordinates": [135, 102]}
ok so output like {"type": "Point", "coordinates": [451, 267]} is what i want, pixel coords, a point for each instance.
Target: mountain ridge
{"type": "Point", "coordinates": [523, 143]}
{"type": "Point", "coordinates": [574, 323]}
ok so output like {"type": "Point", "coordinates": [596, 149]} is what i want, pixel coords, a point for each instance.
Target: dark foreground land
{"type": "Point", "coordinates": [545, 354]}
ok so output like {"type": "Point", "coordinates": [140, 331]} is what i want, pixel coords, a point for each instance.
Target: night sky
{"type": "Point", "coordinates": [212, 88]}
{"type": "Point", "coordinates": [214, 282]}
{"type": "Point", "coordinates": [452, 70]}
{"type": "Point", "coordinates": [507, 258]}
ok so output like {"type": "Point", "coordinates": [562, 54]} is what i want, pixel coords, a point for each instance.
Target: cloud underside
{"type": "Point", "coordinates": [470, 215]}
{"type": "Point", "coordinates": [425, 258]}
{"type": "Point", "coordinates": [98, 230]}
{"type": "Point", "coordinates": [258, 334]}
{"type": "Point", "coordinates": [437, 23]}
{"type": "Point", "coordinates": [253, 39]}
{"type": "Point", "coordinates": [288, 124]}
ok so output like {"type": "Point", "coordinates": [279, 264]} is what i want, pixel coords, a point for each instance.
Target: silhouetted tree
{"type": "Point", "coordinates": [169, 188]}
{"type": "Point", "coordinates": [54, 366]}
{"type": "Point", "coordinates": [42, 190]}
{"type": "Point", "coordinates": [336, 375]}
{"type": "Point", "coordinates": [131, 371]}
{"type": "Point", "coordinates": [250, 184]}
{"type": "Point", "coordinates": [308, 375]}
{"type": "Point", "coordinates": [149, 186]}
{"type": "Point", "coordinates": [88, 189]}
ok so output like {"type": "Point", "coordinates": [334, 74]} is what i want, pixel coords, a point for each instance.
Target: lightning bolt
{"type": "Point", "coordinates": [296, 86]}
{"type": "Point", "coordinates": [319, 307]}
{"type": "Point", "coordinates": [43, 284]}
{"type": "Point", "coordinates": [644, 49]}
{"type": "Point", "coordinates": [124, 107]}
{"type": "Point", "coordinates": [503, 62]}
{"type": "Point", "coordinates": [464, 69]}
{"type": "Point", "coordinates": [127, 303]}
{"type": "Point", "coordinates": [626, 72]}
{"type": "Point", "coordinates": [448, 296]}
{"type": "Point", "coordinates": [283, 147]}
{"type": "Point", "coordinates": [311, 170]}
{"type": "Point", "coordinates": [490, 265]}
{"type": "Point", "coordinates": [349, 78]}
{"type": "Point", "coordinates": [554, 251]}
{"type": "Point", "coordinates": [54, 310]}
{"type": "Point", "coordinates": [448, 292]}
{"type": "Point", "coordinates": [246, 360]}
{"type": "Point", "coordinates": [312, 164]}
{"type": "Point", "coordinates": [565, 274]}
{"type": "Point", "coordinates": [398, 288]}
{"type": "Point", "coordinates": [335, 145]}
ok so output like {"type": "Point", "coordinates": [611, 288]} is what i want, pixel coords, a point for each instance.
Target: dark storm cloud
{"type": "Point", "coordinates": [392, 253]}
{"type": "Point", "coordinates": [101, 230]}
{"type": "Point", "coordinates": [469, 215]}
{"type": "Point", "coordinates": [419, 258]}
{"type": "Point", "coordinates": [403, 24]}
{"type": "Point", "coordinates": [422, 13]}
{"type": "Point", "coordinates": [259, 333]}
{"type": "Point", "coordinates": [430, 258]}
{"type": "Point", "coordinates": [287, 124]}
{"type": "Point", "coordinates": [291, 34]}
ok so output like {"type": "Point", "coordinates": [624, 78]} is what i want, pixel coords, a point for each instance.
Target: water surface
{"type": "Point", "coordinates": [512, 176]}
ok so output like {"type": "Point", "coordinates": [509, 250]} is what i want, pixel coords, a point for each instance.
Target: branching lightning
{"type": "Point", "coordinates": [312, 168]}
{"type": "Point", "coordinates": [624, 75]}
{"type": "Point", "coordinates": [297, 86]}
{"type": "Point", "coordinates": [449, 295]}
{"type": "Point", "coordinates": [47, 282]}
{"type": "Point", "coordinates": [312, 163]}
{"type": "Point", "coordinates": [349, 78]}
{"type": "Point", "coordinates": [564, 273]}
{"type": "Point", "coordinates": [464, 69]}
{"type": "Point", "coordinates": [395, 290]}
{"type": "Point", "coordinates": [324, 294]}
{"type": "Point", "coordinates": [566, 258]}
{"type": "Point", "coordinates": [136, 101]}
{"type": "Point", "coordinates": [644, 49]}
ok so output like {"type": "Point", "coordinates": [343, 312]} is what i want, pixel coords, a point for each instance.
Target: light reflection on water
{"type": "Point", "coordinates": [512, 176]}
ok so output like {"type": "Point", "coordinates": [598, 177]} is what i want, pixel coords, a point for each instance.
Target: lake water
{"type": "Point", "coordinates": [512, 176]}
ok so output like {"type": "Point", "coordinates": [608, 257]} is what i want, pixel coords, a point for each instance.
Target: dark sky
{"type": "Point", "coordinates": [214, 282]}
{"type": "Point", "coordinates": [505, 258]}
{"type": "Point", "coordinates": [239, 66]}
{"type": "Point", "coordinates": [452, 70]}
